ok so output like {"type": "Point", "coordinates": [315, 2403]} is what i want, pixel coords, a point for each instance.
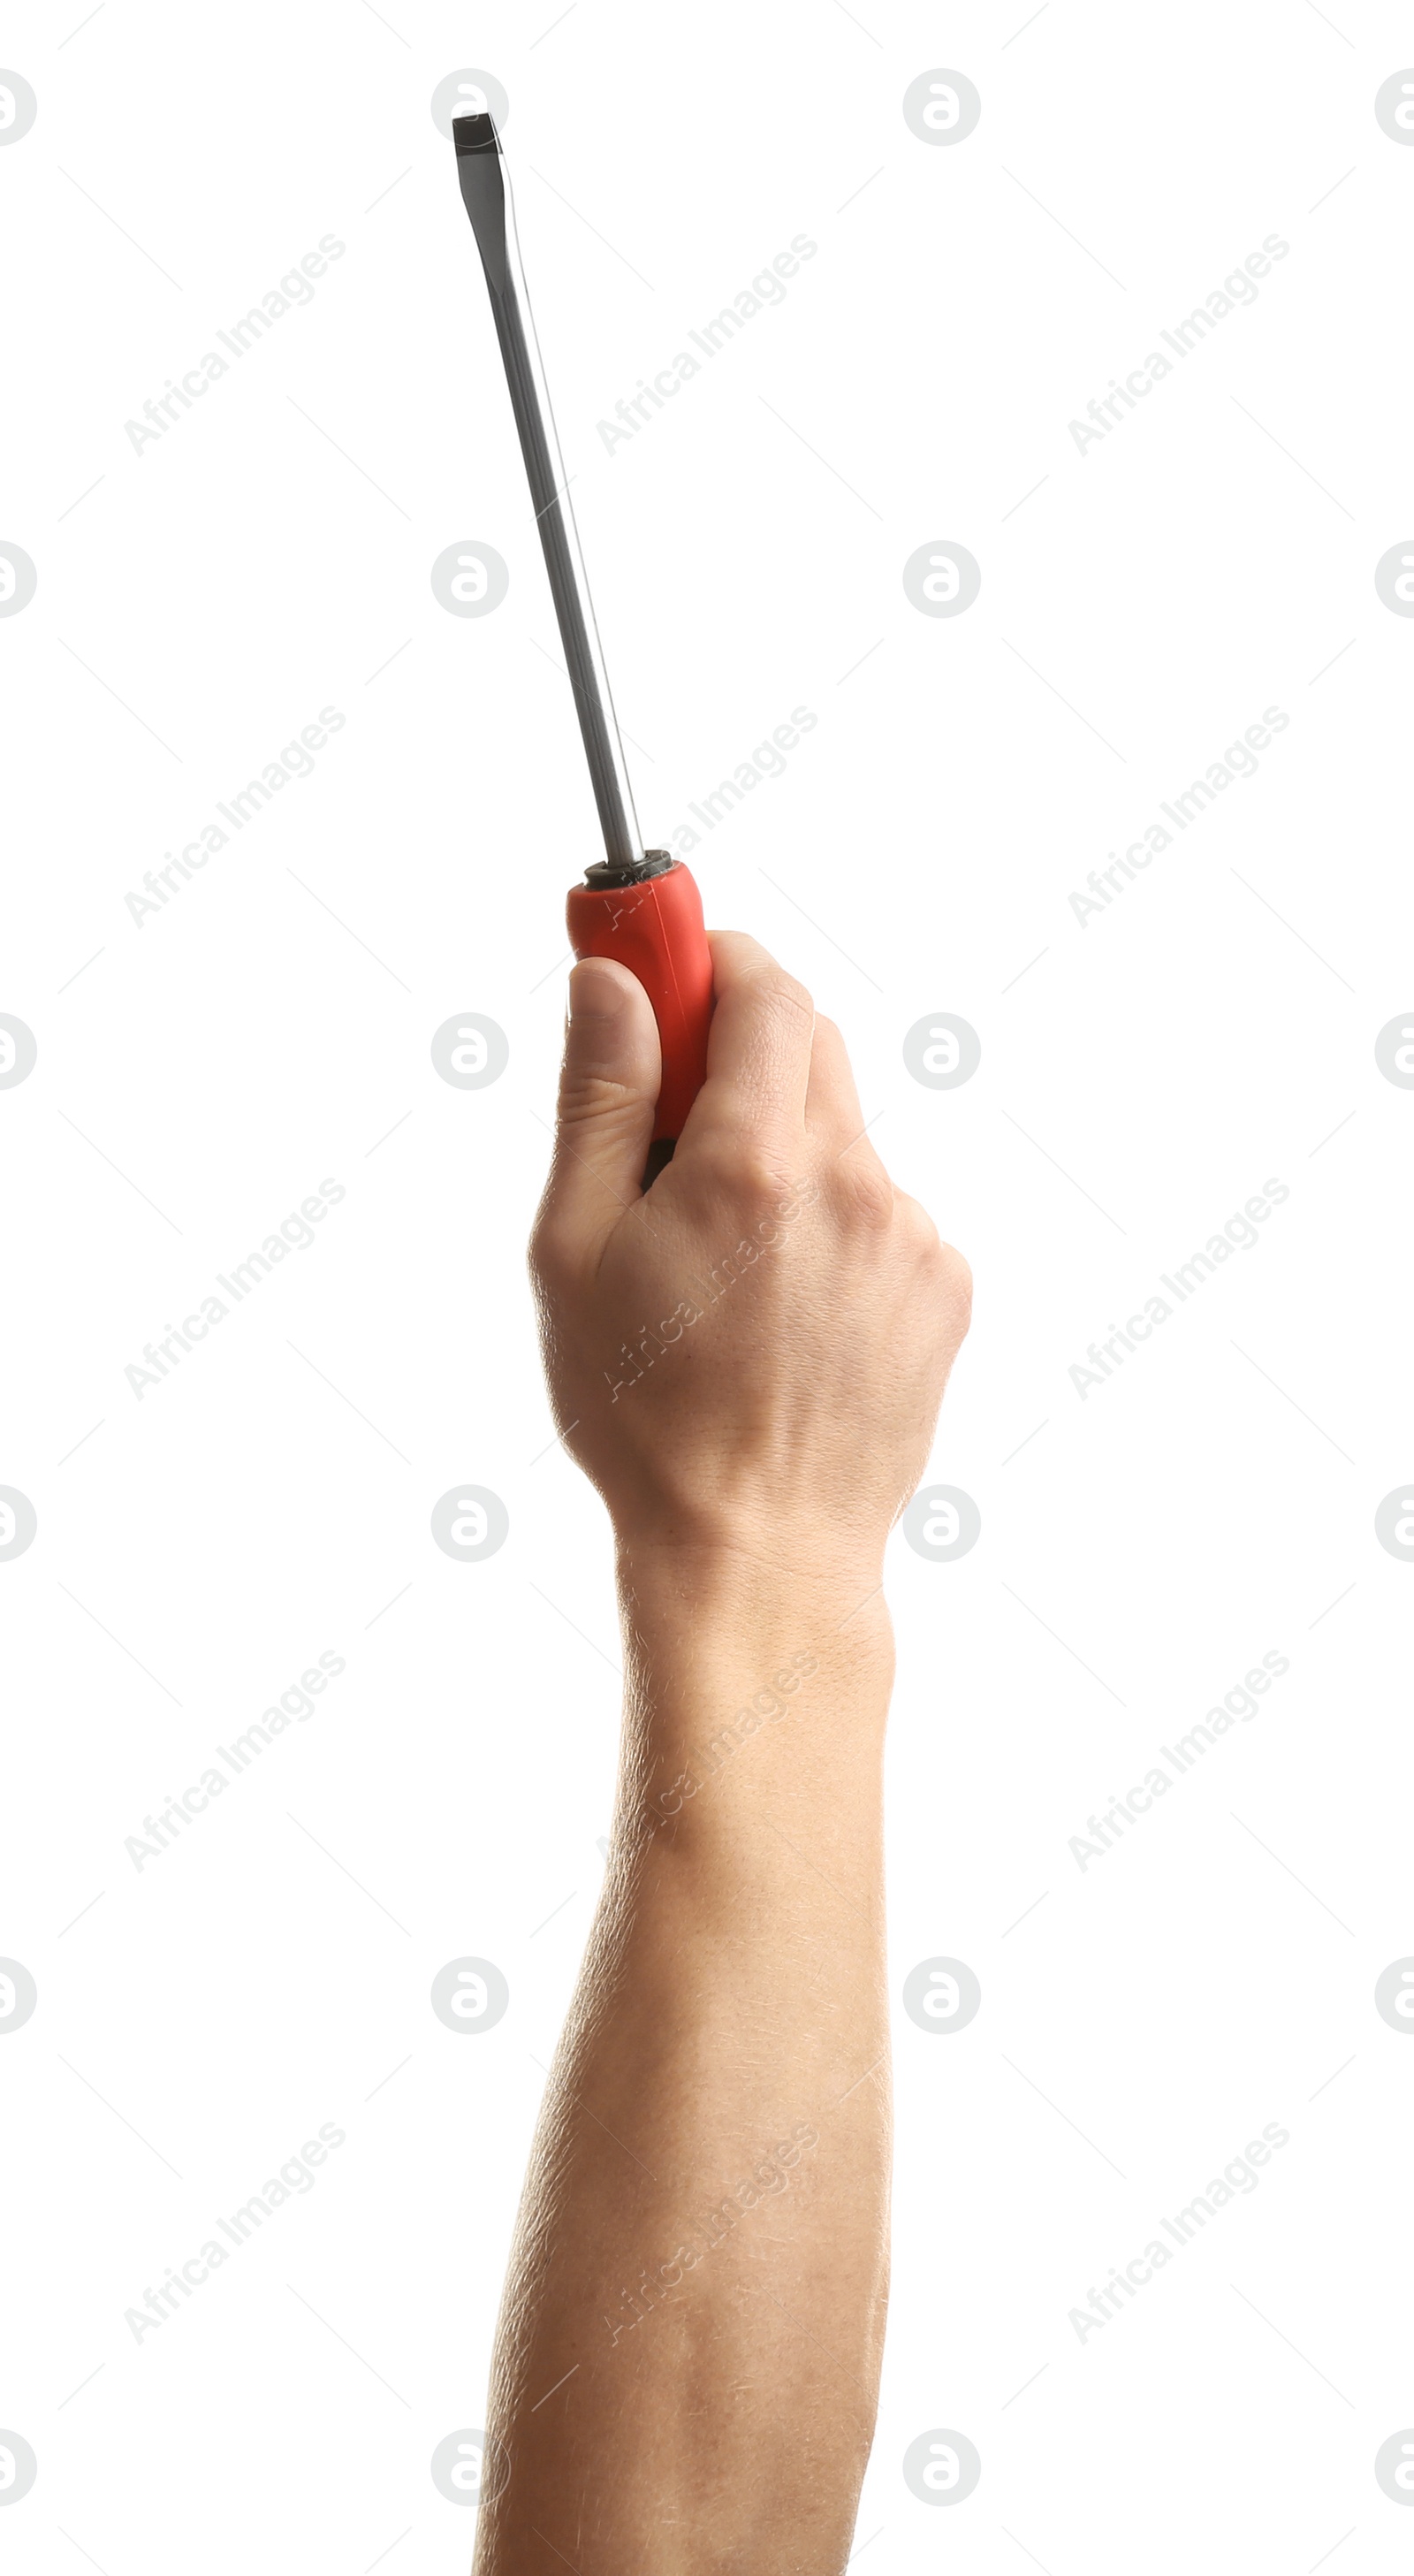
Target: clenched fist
{"type": "Point", "coordinates": [750, 1354]}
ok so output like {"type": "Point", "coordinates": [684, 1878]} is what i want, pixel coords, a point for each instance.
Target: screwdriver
{"type": "Point", "coordinates": [639, 906]}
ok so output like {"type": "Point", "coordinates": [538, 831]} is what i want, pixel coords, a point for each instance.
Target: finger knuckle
{"type": "Point", "coordinates": [762, 1179]}
{"type": "Point", "coordinates": [953, 1275]}
{"type": "Point", "coordinates": [915, 1223]}
{"type": "Point", "coordinates": [744, 1174]}
{"type": "Point", "coordinates": [828, 1031]}
{"type": "Point", "coordinates": [549, 1256]}
{"type": "Point", "coordinates": [585, 1095]}
{"type": "Point", "coordinates": [780, 992]}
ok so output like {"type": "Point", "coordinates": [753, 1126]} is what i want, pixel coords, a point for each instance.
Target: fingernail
{"type": "Point", "coordinates": [593, 996]}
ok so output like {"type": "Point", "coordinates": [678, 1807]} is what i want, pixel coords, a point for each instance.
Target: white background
{"type": "Point", "coordinates": [197, 1076]}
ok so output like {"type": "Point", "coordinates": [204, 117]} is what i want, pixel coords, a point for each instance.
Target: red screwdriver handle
{"type": "Point", "coordinates": [655, 928]}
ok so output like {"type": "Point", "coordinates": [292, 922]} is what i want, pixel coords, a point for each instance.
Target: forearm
{"type": "Point", "coordinates": [687, 2365]}
{"type": "Point", "coordinates": [701, 2264]}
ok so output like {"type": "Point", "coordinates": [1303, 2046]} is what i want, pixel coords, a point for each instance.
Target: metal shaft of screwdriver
{"type": "Point", "coordinates": [487, 195]}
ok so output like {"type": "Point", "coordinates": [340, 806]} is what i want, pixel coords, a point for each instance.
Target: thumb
{"type": "Point", "coordinates": [608, 1093]}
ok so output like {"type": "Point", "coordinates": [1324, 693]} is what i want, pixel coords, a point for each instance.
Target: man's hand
{"type": "Point", "coordinates": [751, 1354]}
{"type": "Point", "coordinates": [748, 1359]}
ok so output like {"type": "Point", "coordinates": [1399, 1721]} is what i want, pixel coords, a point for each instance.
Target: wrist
{"type": "Point", "coordinates": [749, 1694]}
{"type": "Point", "coordinates": [730, 1602]}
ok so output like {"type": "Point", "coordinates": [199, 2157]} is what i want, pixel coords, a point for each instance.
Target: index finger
{"type": "Point", "coordinates": [758, 1049]}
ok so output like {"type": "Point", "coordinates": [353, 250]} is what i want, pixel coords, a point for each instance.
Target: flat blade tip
{"type": "Point", "coordinates": [475, 134]}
